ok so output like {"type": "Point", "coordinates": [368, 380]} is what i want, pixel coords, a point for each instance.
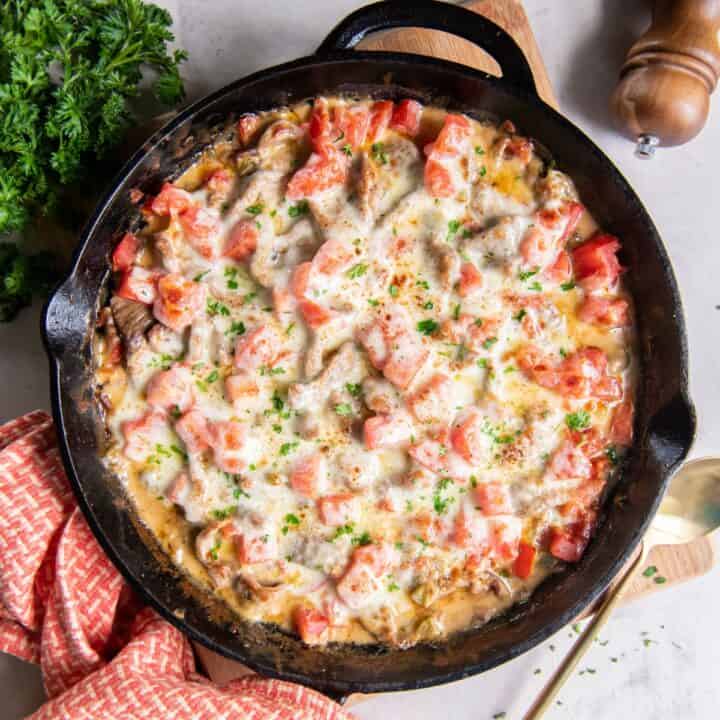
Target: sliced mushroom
{"type": "Point", "coordinates": [132, 319]}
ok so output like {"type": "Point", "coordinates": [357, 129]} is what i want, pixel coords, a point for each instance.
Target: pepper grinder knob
{"type": "Point", "coordinates": [663, 96]}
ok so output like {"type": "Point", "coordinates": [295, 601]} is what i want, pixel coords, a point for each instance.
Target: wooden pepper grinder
{"type": "Point", "coordinates": [663, 96]}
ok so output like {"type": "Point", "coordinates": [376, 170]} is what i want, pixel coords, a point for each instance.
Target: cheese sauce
{"type": "Point", "coordinates": [367, 370]}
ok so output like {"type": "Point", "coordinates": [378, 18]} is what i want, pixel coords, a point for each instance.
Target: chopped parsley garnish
{"type": "Point", "coordinates": [288, 447]}
{"type": "Point", "coordinates": [428, 305]}
{"type": "Point", "coordinates": [290, 328]}
{"type": "Point", "coordinates": [348, 529]}
{"type": "Point", "coordinates": [343, 409]}
{"type": "Point", "coordinates": [347, 149]}
{"type": "Point", "coordinates": [291, 519]}
{"type": "Point", "coordinates": [393, 586]}
{"type": "Point", "coordinates": [249, 297]}
{"type": "Point", "coordinates": [362, 539]}
{"type": "Point", "coordinates": [378, 153]}
{"type": "Point", "coordinates": [456, 312]}
{"type": "Point", "coordinates": [427, 327]}
{"type": "Point", "coordinates": [200, 276]}
{"type": "Point", "coordinates": [489, 342]}
{"type": "Point", "coordinates": [422, 541]}
{"type": "Point", "coordinates": [535, 286]}
{"type": "Point", "coordinates": [424, 284]}
{"type": "Point", "coordinates": [578, 420]}
{"type": "Point", "coordinates": [357, 271]}
{"type": "Point", "coordinates": [393, 290]}
{"type": "Point", "coordinates": [473, 481]}
{"type": "Point", "coordinates": [527, 274]}
{"type": "Point", "coordinates": [231, 275]}
{"type": "Point", "coordinates": [479, 150]}
{"type": "Point", "coordinates": [239, 492]}
{"type": "Point", "coordinates": [215, 307]}
{"type": "Point", "coordinates": [520, 315]}
{"type": "Point", "coordinates": [659, 579]}
{"type": "Point", "coordinates": [483, 363]}
{"type": "Point", "coordinates": [483, 171]}
{"type": "Point", "coordinates": [649, 571]}
{"type": "Point", "coordinates": [453, 227]}
{"type": "Point", "coordinates": [179, 452]}
{"type": "Point", "coordinates": [301, 208]}
{"type": "Point", "coordinates": [265, 370]}
{"type": "Point", "coordinates": [224, 513]}
{"type": "Point", "coordinates": [372, 302]}
{"type": "Point", "coordinates": [567, 285]}
{"type": "Point", "coordinates": [255, 209]}
{"type": "Point", "coordinates": [355, 389]}
{"type": "Point", "coordinates": [212, 377]}
{"type": "Point", "coordinates": [214, 549]}
{"type": "Point", "coordinates": [237, 327]}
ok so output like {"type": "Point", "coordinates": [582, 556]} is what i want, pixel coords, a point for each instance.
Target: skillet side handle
{"type": "Point", "coordinates": [61, 322]}
{"type": "Point", "coordinates": [671, 431]}
{"type": "Point", "coordinates": [452, 19]}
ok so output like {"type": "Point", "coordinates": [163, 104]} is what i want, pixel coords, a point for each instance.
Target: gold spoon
{"type": "Point", "coordinates": [689, 510]}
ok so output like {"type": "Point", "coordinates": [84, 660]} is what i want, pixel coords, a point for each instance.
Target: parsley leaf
{"type": "Point", "coordinates": [427, 327]}
{"type": "Point", "coordinates": [302, 208]}
{"type": "Point", "coordinates": [357, 271]}
{"type": "Point", "coordinates": [343, 409]}
{"type": "Point", "coordinates": [378, 153]}
{"type": "Point", "coordinates": [578, 420]}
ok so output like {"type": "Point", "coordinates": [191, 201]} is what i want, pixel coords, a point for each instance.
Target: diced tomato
{"type": "Point", "coordinates": [380, 115]}
{"type": "Point", "coordinates": [256, 348]}
{"type": "Point", "coordinates": [389, 431]}
{"type": "Point", "coordinates": [242, 240]}
{"type": "Point", "coordinates": [430, 402]}
{"type": "Point", "coordinates": [321, 172]}
{"type": "Point", "coordinates": [333, 256]}
{"type": "Point", "coordinates": [125, 251]}
{"type": "Point", "coordinates": [621, 429]}
{"type": "Point", "coordinates": [352, 123]}
{"type": "Point", "coordinates": [604, 311]}
{"type": "Point", "coordinates": [200, 226]}
{"type": "Point", "coordinates": [561, 270]}
{"type": "Point", "coordinates": [228, 439]}
{"type": "Point", "coordinates": [466, 437]}
{"type": "Point", "coordinates": [361, 581]}
{"type": "Point", "coordinates": [256, 546]}
{"type": "Point", "coordinates": [311, 625]}
{"type": "Point", "coordinates": [193, 429]}
{"type": "Point", "coordinates": [314, 315]}
{"type": "Point", "coordinates": [320, 126]}
{"type": "Point", "coordinates": [470, 279]}
{"type": "Point", "coordinates": [525, 560]}
{"type": "Point", "coordinates": [406, 117]}
{"type": "Point", "coordinates": [431, 454]}
{"type": "Point", "coordinates": [283, 301]}
{"type": "Point", "coordinates": [596, 264]}
{"type": "Point", "coordinates": [246, 128]}
{"type": "Point", "coordinates": [480, 331]}
{"type": "Point", "coordinates": [309, 475]}
{"type": "Point", "coordinates": [241, 387]}
{"type": "Point", "coordinates": [142, 434]}
{"type": "Point", "coordinates": [171, 200]}
{"type": "Point", "coordinates": [569, 543]}
{"type": "Point", "coordinates": [453, 136]}
{"type": "Point", "coordinates": [493, 498]}
{"type": "Point", "coordinates": [438, 181]}
{"type": "Point", "coordinates": [394, 348]}
{"type": "Point", "coordinates": [337, 509]}
{"type": "Point", "coordinates": [504, 536]}
{"type": "Point", "coordinates": [569, 461]}
{"type": "Point", "coordinates": [178, 487]}
{"type": "Point", "coordinates": [138, 284]}
{"type": "Point", "coordinates": [300, 281]}
{"type": "Point", "coordinates": [171, 389]}
{"type": "Point", "coordinates": [471, 530]}
{"type": "Point", "coordinates": [179, 301]}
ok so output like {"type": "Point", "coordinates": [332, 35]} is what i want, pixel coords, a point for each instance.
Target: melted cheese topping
{"type": "Point", "coordinates": [366, 408]}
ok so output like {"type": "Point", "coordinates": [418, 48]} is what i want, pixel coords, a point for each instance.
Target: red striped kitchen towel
{"type": "Point", "coordinates": [63, 605]}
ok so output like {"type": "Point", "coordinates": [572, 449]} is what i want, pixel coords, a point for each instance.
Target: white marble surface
{"type": "Point", "coordinates": [668, 673]}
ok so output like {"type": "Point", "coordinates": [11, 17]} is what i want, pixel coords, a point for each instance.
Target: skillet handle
{"type": "Point", "coordinates": [436, 16]}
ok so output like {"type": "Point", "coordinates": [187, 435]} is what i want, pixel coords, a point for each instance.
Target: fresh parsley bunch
{"type": "Point", "coordinates": [68, 69]}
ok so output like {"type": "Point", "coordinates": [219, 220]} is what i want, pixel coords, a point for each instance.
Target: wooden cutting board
{"type": "Point", "coordinates": [676, 564]}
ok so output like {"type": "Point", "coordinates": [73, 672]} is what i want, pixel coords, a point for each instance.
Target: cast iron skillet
{"type": "Point", "coordinates": [665, 418]}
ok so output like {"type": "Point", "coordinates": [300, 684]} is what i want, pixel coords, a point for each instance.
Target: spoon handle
{"type": "Point", "coordinates": [551, 689]}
